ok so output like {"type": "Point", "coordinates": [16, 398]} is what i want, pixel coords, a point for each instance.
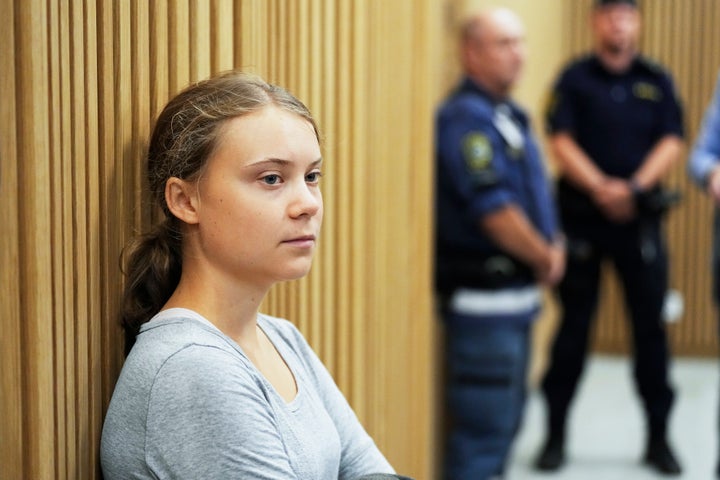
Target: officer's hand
{"type": "Point", "coordinates": [557, 269]}
{"type": "Point", "coordinates": [713, 186]}
{"type": "Point", "coordinates": [615, 199]}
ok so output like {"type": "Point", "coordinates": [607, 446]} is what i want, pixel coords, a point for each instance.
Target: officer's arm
{"type": "Point", "coordinates": [704, 160]}
{"type": "Point", "coordinates": [658, 162]}
{"type": "Point", "coordinates": [575, 166]}
{"type": "Point", "coordinates": [512, 232]}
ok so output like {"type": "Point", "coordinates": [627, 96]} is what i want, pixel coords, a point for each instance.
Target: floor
{"type": "Point", "coordinates": [606, 429]}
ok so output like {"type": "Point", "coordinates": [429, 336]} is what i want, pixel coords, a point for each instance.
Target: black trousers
{"type": "Point", "coordinates": [638, 253]}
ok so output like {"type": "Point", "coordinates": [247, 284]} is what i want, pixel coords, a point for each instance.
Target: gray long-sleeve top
{"type": "Point", "coordinates": [189, 404]}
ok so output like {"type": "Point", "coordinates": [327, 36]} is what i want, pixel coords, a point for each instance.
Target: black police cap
{"type": "Point", "coordinates": [601, 3]}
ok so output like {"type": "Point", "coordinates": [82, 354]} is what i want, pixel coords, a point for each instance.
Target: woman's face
{"type": "Point", "coordinates": [259, 201]}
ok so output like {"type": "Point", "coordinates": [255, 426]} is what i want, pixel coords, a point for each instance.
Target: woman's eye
{"type": "Point", "coordinates": [313, 177]}
{"type": "Point", "coordinates": [271, 179]}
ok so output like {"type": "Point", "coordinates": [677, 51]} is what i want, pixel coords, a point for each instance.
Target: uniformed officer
{"type": "Point", "coordinates": [496, 238]}
{"type": "Point", "coordinates": [616, 129]}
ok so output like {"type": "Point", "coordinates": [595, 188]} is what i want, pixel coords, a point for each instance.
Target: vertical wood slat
{"type": "Point", "coordinates": [11, 400]}
{"type": "Point", "coordinates": [139, 78]}
{"type": "Point", "coordinates": [35, 252]}
{"type": "Point", "coordinates": [180, 73]}
{"type": "Point", "coordinates": [694, 201]}
{"type": "Point", "coordinates": [391, 71]}
{"type": "Point", "coordinates": [92, 147]}
{"type": "Point", "coordinates": [222, 29]}
{"type": "Point", "coordinates": [77, 202]}
{"type": "Point", "coordinates": [200, 37]}
{"type": "Point", "coordinates": [425, 77]}
{"type": "Point", "coordinates": [58, 54]}
{"type": "Point", "coordinates": [66, 337]}
{"type": "Point", "coordinates": [109, 193]}
{"type": "Point", "coordinates": [377, 26]}
{"type": "Point", "coordinates": [159, 55]}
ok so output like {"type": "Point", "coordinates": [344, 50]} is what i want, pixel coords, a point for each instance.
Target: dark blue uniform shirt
{"type": "Point", "coordinates": [480, 170]}
{"type": "Point", "coordinates": [615, 118]}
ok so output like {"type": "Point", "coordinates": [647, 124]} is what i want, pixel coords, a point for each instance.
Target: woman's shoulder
{"type": "Point", "coordinates": [169, 333]}
{"type": "Point", "coordinates": [181, 342]}
{"type": "Point", "coordinates": [187, 356]}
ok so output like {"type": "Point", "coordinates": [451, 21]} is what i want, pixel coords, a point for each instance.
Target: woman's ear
{"type": "Point", "coordinates": [182, 200]}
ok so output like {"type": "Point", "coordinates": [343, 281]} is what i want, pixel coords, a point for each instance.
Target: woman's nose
{"type": "Point", "coordinates": [307, 200]}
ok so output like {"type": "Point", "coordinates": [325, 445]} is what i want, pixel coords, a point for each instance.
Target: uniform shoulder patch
{"type": "Point", "coordinates": [477, 151]}
{"type": "Point", "coordinates": [647, 91]}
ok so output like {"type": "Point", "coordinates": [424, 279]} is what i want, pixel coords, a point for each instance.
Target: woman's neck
{"type": "Point", "coordinates": [231, 307]}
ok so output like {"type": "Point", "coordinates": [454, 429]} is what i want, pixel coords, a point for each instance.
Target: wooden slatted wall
{"type": "Point", "coordinates": [83, 82]}
{"type": "Point", "coordinates": [684, 37]}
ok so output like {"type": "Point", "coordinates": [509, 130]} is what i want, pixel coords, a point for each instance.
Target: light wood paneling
{"type": "Point", "coordinates": [87, 79]}
{"type": "Point", "coordinates": [11, 357]}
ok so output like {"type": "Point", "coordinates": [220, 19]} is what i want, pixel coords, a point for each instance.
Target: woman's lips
{"type": "Point", "coordinates": [305, 241]}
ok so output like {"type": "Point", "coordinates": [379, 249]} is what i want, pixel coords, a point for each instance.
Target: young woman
{"type": "Point", "coordinates": [211, 388]}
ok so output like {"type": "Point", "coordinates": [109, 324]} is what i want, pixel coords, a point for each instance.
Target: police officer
{"type": "Point", "coordinates": [496, 238]}
{"type": "Point", "coordinates": [616, 129]}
